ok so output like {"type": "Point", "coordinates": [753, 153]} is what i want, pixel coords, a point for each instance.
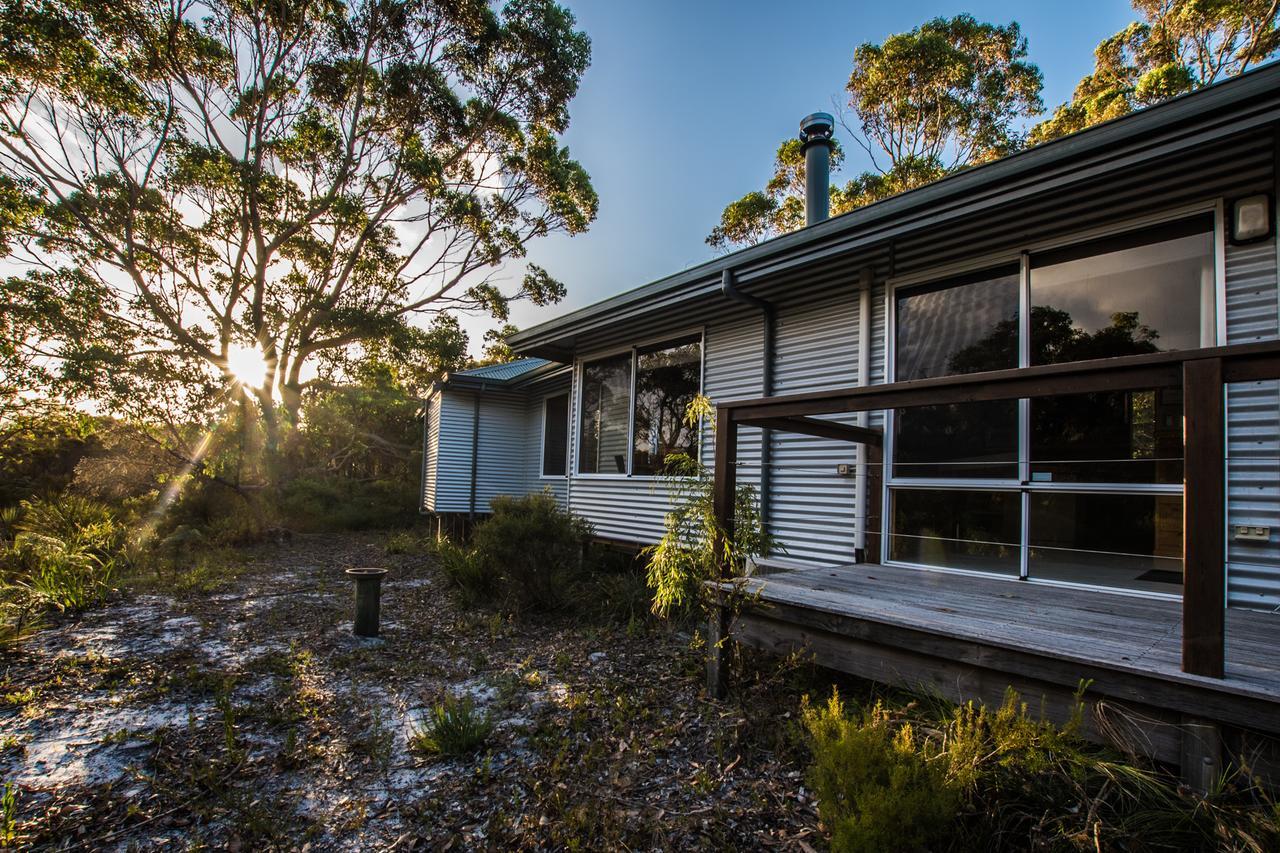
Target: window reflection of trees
{"type": "Point", "coordinates": [667, 380]}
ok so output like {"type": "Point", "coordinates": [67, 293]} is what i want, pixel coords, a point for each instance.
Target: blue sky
{"type": "Point", "coordinates": [685, 103]}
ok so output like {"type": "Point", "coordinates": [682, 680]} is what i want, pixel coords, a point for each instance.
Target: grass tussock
{"type": "Point", "coordinates": [452, 728]}
{"type": "Point", "coordinates": [966, 777]}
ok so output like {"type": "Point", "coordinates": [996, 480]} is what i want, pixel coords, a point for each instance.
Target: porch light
{"type": "Point", "coordinates": [1251, 219]}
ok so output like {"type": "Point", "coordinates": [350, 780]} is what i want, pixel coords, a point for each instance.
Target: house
{"type": "Point", "coordinates": [495, 430]}
{"type": "Point", "coordinates": [963, 408]}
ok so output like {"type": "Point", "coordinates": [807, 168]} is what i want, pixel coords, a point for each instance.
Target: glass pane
{"type": "Point", "coordinates": [555, 435]}
{"type": "Point", "coordinates": [963, 325]}
{"type": "Point", "coordinates": [606, 406]}
{"type": "Point", "coordinates": [1143, 292]}
{"type": "Point", "coordinates": [667, 380]}
{"type": "Point", "coordinates": [974, 440]}
{"type": "Point", "coordinates": [957, 529]}
{"type": "Point", "coordinates": [1115, 437]}
{"type": "Point", "coordinates": [1129, 541]}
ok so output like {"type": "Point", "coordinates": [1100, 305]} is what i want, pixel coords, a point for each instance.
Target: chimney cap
{"type": "Point", "coordinates": [817, 127]}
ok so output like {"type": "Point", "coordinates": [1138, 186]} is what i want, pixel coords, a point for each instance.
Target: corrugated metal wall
{"type": "Point", "coordinates": [430, 453]}
{"type": "Point", "coordinates": [453, 459]}
{"type": "Point", "coordinates": [812, 508]}
{"type": "Point", "coordinates": [1253, 432]}
{"type": "Point", "coordinates": [502, 463]}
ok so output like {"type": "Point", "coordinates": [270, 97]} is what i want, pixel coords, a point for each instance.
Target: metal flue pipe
{"type": "Point", "coordinates": [816, 132]}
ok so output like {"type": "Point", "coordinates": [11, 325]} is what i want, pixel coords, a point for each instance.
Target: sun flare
{"type": "Point", "coordinates": [247, 365]}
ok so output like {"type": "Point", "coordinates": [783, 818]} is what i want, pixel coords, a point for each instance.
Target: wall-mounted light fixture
{"type": "Point", "coordinates": [1251, 219]}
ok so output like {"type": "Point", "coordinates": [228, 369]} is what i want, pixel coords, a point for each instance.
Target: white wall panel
{"type": "Point", "coordinates": [1253, 432]}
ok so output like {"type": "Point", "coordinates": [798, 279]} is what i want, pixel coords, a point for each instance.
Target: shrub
{"type": "Point", "coordinates": [453, 728]}
{"type": "Point", "coordinates": [56, 554]}
{"type": "Point", "coordinates": [531, 550]}
{"type": "Point", "coordinates": [878, 787]}
{"type": "Point", "coordinates": [316, 503]}
{"type": "Point", "coordinates": [931, 775]}
{"type": "Point", "coordinates": [463, 568]}
{"type": "Point", "coordinates": [403, 543]}
{"type": "Point", "coordinates": [616, 588]}
{"type": "Point", "coordinates": [685, 557]}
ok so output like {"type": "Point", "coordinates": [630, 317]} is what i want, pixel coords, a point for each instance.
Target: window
{"type": "Point", "coordinates": [1083, 488]}
{"type": "Point", "coordinates": [1146, 291]}
{"type": "Point", "coordinates": [620, 434]}
{"type": "Point", "coordinates": [962, 325]}
{"type": "Point", "coordinates": [957, 529]}
{"type": "Point", "coordinates": [555, 435]}
{"type": "Point", "coordinates": [667, 380]}
{"type": "Point", "coordinates": [606, 405]}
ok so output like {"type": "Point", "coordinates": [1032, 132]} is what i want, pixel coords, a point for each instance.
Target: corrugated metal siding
{"type": "Point", "coordinates": [430, 453]}
{"type": "Point", "coordinates": [733, 369]}
{"type": "Point", "coordinates": [453, 457]}
{"type": "Point", "coordinates": [1253, 432]}
{"type": "Point", "coordinates": [504, 447]}
{"type": "Point", "coordinates": [812, 509]}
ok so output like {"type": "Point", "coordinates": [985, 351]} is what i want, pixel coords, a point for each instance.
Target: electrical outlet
{"type": "Point", "coordinates": [1250, 533]}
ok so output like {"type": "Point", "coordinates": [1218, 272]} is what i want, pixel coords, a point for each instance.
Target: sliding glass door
{"type": "Point", "coordinates": [1082, 488]}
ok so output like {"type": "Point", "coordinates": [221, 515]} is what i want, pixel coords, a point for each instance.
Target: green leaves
{"type": "Point", "coordinates": [307, 177]}
{"type": "Point", "coordinates": [1177, 47]}
{"type": "Point", "coordinates": [948, 94]}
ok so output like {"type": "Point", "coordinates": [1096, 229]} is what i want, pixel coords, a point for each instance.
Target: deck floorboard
{"type": "Point", "coordinates": [1127, 633]}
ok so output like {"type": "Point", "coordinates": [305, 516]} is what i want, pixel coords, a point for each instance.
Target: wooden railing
{"type": "Point", "coordinates": [1201, 374]}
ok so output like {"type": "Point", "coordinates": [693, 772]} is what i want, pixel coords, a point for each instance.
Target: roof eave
{"type": "Point", "coordinates": [547, 338]}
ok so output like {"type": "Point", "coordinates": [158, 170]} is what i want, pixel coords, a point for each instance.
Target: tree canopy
{"type": "Point", "coordinates": [948, 94]}
{"type": "Point", "coordinates": [313, 180]}
{"type": "Point", "coordinates": [1177, 46]}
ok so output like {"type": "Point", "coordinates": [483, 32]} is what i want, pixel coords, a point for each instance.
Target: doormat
{"type": "Point", "coordinates": [1161, 576]}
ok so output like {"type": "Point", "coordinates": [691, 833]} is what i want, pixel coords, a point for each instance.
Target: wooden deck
{"type": "Point", "coordinates": [969, 636]}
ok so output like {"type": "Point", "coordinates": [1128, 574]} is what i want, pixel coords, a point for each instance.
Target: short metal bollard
{"type": "Point", "coordinates": [368, 599]}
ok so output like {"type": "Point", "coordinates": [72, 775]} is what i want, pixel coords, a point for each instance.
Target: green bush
{"type": "Point", "coordinates": [936, 776]}
{"type": "Point", "coordinates": [320, 504]}
{"type": "Point", "coordinates": [615, 588]}
{"type": "Point", "coordinates": [452, 728]}
{"type": "Point", "coordinates": [878, 786]}
{"type": "Point", "coordinates": [463, 568]}
{"type": "Point", "coordinates": [686, 555]}
{"type": "Point", "coordinates": [56, 554]}
{"type": "Point", "coordinates": [531, 551]}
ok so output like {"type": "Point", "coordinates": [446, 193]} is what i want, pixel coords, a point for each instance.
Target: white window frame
{"type": "Point", "coordinates": [568, 432]}
{"type": "Point", "coordinates": [1023, 483]}
{"type": "Point", "coordinates": [579, 365]}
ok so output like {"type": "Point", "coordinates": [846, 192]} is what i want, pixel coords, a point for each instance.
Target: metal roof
{"type": "Point", "coordinates": [504, 372]}
{"type": "Point", "coordinates": [1228, 106]}
{"type": "Point", "coordinates": [511, 374]}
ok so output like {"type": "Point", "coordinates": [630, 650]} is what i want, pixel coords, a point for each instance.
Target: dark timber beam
{"type": "Point", "coordinates": [724, 489]}
{"type": "Point", "coordinates": [1243, 362]}
{"type": "Point", "coordinates": [1203, 499]}
{"type": "Point", "coordinates": [821, 429]}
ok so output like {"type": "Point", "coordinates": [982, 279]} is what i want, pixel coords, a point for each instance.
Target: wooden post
{"type": "Point", "coordinates": [1203, 501]}
{"type": "Point", "coordinates": [723, 490]}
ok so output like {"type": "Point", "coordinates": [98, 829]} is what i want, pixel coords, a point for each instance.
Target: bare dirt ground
{"type": "Point", "coordinates": [250, 718]}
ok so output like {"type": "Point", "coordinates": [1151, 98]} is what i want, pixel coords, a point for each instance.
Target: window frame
{"type": "Point", "coordinates": [542, 444]}
{"type": "Point", "coordinates": [1024, 485]}
{"type": "Point", "coordinates": [575, 401]}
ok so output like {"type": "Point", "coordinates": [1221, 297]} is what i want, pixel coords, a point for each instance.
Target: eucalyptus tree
{"type": "Point", "coordinates": [1178, 46]}
{"type": "Point", "coordinates": [187, 181]}
{"type": "Point", "coordinates": [948, 94]}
